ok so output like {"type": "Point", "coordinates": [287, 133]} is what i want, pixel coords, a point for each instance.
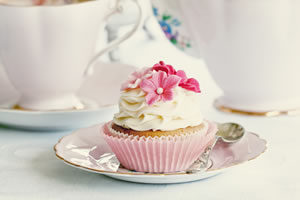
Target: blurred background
{"type": "Point", "coordinates": [161, 36]}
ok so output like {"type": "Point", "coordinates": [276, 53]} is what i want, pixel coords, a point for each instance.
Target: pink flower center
{"type": "Point", "coordinates": [159, 90]}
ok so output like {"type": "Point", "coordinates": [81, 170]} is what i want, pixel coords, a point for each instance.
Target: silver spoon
{"type": "Point", "coordinates": [228, 133]}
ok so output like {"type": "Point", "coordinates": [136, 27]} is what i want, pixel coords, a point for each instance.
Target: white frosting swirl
{"type": "Point", "coordinates": [182, 111]}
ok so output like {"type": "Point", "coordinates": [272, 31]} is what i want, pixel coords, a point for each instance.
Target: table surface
{"type": "Point", "coordinates": [30, 170]}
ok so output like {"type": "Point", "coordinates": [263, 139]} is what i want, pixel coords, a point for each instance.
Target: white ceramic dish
{"type": "Point", "coordinates": [55, 120]}
{"type": "Point", "coordinates": [81, 149]}
{"type": "Point", "coordinates": [100, 94]}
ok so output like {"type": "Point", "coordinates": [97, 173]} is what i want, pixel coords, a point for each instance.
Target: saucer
{"type": "Point", "coordinates": [99, 93]}
{"type": "Point", "coordinates": [221, 105]}
{"type": "Point", "coordinates": [56, 120]}
{"type": "Point", "coordinates": [78, 150]}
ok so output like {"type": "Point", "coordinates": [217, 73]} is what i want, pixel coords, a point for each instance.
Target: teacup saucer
{"type": "Point", "coordinates": [78, 150]}
{"type": "Point", "coordinates": [99, 92]}
{"type": "Point", "coordinates": [222, 105]}
{"type": "Point", "coordinates": [57, 120]}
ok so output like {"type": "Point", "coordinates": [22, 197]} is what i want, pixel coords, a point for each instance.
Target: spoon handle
{"type": "Point", "coordinates": [201, 164]}
{"type": "Point", "coordinates": [205, 156]}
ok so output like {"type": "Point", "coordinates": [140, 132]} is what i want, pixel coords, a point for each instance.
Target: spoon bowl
{"type": "Point", "coordinates": [230, 132]}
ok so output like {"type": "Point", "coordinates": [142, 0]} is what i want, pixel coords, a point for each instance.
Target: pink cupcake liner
{"type": "Point", "coordinates": [159, 154]}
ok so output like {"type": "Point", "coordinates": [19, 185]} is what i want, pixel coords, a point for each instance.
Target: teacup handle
{"type": "Point", "coordinates": [115, 43]}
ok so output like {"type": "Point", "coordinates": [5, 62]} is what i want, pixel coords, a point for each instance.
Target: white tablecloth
{"type": "Point", "coordinates": [30, 170]}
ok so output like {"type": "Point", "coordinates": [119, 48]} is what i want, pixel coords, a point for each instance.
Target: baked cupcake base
{"type": "Point", "coordinates": [150, 133]}
{"type": "Point", "coordinates": [169, 153]}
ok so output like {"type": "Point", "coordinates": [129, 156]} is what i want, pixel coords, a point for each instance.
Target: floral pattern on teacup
{"type": "Point", "coordinates": [171, 26]}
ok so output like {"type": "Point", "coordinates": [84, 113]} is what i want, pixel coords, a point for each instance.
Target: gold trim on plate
{"type": "Point", "coordinates": [270, 113]}
{"type": "Point", "coordinates": [18, 107]}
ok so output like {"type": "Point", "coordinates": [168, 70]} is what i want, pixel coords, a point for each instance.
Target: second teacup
{"type": "Point", "coordinates": [251, 48]}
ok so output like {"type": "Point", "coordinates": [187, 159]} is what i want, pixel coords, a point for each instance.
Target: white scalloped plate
{"type": "Point", "coordinates": [75, 149]}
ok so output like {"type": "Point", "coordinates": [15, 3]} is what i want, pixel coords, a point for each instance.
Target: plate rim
{"type": "Point", "coordinates": [47, 120]}
{"type": "Point", "coordinates": [218, 104]}
{"type": "Point", "coordinates": [149, 174]}
{"type": "Point", "coordinates": [40, 112]}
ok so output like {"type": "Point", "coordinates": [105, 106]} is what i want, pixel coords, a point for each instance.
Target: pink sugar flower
{"type": "Point", "coordinates": [161, 66]}
{"type": "Point", "coordinates": [135, 78]}
{"type": "Point", "coordinates": [188, 84]}
{"type": "Point", "coordinates": [182, 75]}
{"type": "Point", "coordinates": [159, 87]}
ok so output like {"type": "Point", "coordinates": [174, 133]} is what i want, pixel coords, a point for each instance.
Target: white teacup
{"type": "Point", "coordinates": [48, 50]}
{"type": "Point", "coordinates": [252, 49]}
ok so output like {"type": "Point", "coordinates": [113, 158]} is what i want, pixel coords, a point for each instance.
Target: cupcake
{"type": "Point", "coordinates": [159, 127]}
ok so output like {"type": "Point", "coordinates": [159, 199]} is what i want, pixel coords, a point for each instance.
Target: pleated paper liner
{"type": "Point", "coordinates": [158, 154]}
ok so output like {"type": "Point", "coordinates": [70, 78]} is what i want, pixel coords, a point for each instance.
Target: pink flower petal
{"type": "Point", "coordinates": [158, 78]}
{"type": "Point", "coordinates": [145, 71]}
{"type": "Point", "coordinates": [135, 74]}
{"type": "Point", "coordinates": [192, 81]}
{"type": "Point", "coordinates": [147, 86]}
{"type": "Point", "coordinates": [161, 66]}
{"type": "Point", "coordinates": [191, 84]}
{"type": "Point", "coordinates": [195, 83]}
{"type": "Point", "coordinates": [172, 71]}
{"type": "Point", "coordinates": [167, 95]}
{"type": "Point", "coordinates": [182, 75]}
{"type": "Point", "coordinates": [171, 82]}
{"type": "Point", "coordinates": [132, 79]}
{"type": "Point", "coordinates": [152, 97]}
{"type": "Point", "coordinates": [140, 73]}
